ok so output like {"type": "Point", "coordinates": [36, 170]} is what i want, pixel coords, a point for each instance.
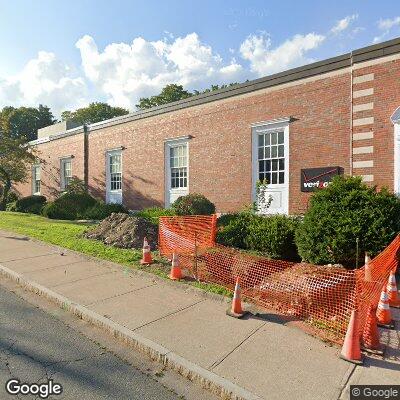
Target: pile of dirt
{"type": "Point", "coordinates": [125, 231]}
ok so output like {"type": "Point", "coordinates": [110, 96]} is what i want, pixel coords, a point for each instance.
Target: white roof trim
{"type": "Point", "coordinates": [272, 122]}
{"type": "Point", "coordinates": [40, 140]}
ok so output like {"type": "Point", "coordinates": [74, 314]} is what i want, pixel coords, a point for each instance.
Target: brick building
{"type": "Point", "coordinates": [337, 115]}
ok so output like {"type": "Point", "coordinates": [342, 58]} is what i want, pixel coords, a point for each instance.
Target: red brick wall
{"type": "Point", "coordinates": [220, 150]}
{"type": "Point", "coordinates": [51, 153]}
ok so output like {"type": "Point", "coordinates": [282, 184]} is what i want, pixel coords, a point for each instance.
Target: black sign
{"type": "Point", "coordinates": [318, 178]}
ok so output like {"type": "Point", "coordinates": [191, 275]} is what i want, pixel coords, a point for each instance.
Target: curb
{"type": "Point", "coordinates": [207, 379]}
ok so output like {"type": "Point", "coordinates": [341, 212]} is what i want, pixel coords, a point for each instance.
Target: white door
{"type": "Point", "coordinates": [114, 177]}
{"type": "Point", "coordinates": [397, 157]}
{"type": "Point", "coordinates": [177, 170]}
{"type": "Point", "coordinates": [271, 164]}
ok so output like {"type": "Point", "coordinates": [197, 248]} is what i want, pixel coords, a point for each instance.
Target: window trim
{"type": "Point", "coordinates": [168, 144]}
{"type": "Point", "coordinates": [275, 125]}
{"type": "Point", "coordinates": [63, 161]}
{"type": "Point", "coordinates": [396, 185]}
{"type": "Point", "coordinates": [34, 180]}
{"type": "Point", "coordinates": [109, 154]}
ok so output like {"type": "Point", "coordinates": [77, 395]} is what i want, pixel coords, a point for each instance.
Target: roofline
{"type": "Point", "coordinates": [306, 71]}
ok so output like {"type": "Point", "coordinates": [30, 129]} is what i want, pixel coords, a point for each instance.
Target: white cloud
{"type": "Point", "coordinates": [126, 72]}
{"type": "Point", "coordinates": [265, 60]}
{"type": "Point", "coordinates": [343, 24]}
{"type": "Point", "coordinates": [121, 73]}
{"type": "Point", "coordinates": [46, 80]}
{"type": "Point", "coordinates": [386, 25]}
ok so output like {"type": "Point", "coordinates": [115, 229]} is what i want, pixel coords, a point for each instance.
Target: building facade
{"type": "Point", "coordinates": [291, 130]}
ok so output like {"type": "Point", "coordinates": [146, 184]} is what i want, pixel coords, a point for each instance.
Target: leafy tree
{"type": "Point", "coordinates": [24, 122]}
{"type": "Point", "coordinates": [168, 94]}
{"type": "Point", "coordinates": [174, 92]}
{"type": "Point", "coordinates": [95, 112]}
{"type": "Point", "coordinates": [16, 157]}
{"type": "Point", "coordinates": [214, 87]}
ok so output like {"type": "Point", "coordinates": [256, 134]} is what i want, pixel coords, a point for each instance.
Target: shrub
{"type": "Point", "coordinates": [153, 214]}
{"type": "Point", "coordinates": [235, 229]}
{"type": "Point", "coordinates": [70, 206]}
{"type": "Point", "coordinates": [193, 204]}
{"type": "Point", "coordinates": [76, 185]}
{"type": "Point", "coordinates": [11, 206]}
{"type": "Point", "coordinates": [54, 210]}
{"type": "Point", "coordinates": [102, 210]}
{"type": "Point", "coordinates": [338, 215]}
{"type": "Point", "coordinates": [225, 219]}
{"type": "Point", "coordinates": [30, 204]}
{"type": "Point", "coordinates": [76, 203]}
{"type": "Point", "coordinates": [271, 235]}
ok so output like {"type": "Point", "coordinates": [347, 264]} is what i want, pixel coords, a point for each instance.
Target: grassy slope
{"type": "Point", "coordinates": [68, 234]}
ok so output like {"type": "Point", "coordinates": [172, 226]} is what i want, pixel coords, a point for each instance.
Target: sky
{"type": "Point", "coordinates": [66, 54]}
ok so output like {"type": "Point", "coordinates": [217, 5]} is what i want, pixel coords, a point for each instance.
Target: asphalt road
{"type": "Point", "coordinates": [36, 346]}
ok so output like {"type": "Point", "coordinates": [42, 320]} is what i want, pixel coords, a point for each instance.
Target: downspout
{"type": "Point", "coordinates": [351, 114]}
{"type": "Point", "coordinates": [86, 156]}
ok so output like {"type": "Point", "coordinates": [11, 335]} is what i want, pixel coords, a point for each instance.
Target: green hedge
{"type": "Point", "coordinates": [54, 210]}
{"type": "Point", "coordinates": [271, 235]}
{"type": "Point", "coordinates": [29, 204]}
{"type": "Point", "coordinates": [338, 215]}
{"type": "Point", "coordinates": [69, 206]}
{"type": "Point", "coordinates": [102, 210]}
{"type": "Point", "coordinates": [153, 214]}
{"type": "Point", "coordinates": [193, 204]}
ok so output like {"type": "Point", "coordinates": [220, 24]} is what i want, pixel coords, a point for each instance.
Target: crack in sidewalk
{"type": "Point", "coordinates": [218, 362]}
{"type": "Point", "coordinates": [119, 294]}
{"type": "Point", "coordinates": [167, 315]}
{"type": "Point", "coordinates": [28, 258]}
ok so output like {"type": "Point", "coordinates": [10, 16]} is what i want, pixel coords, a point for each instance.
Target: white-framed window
{"type": "Point", "coordinates": [115, 171]}
{"type": "Point", "coordinates": [114, 176]}
{"type": "Point", "coordinates": [178, 162]}
{"type": "Point", "coordinates": [271, 157]}
{"type": "Point", "coordinates": [395, 118]}
{"type": "Point", "coordinates": [66, 172]}
{"type": "Point", "coordinates": [36, 179]}
{"type": "Point", "coordinates": [176, 168]}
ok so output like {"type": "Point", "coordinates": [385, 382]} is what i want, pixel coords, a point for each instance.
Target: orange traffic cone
{"type": "Point", "coordinates": [146, 259]}
{"type": "Point", "coordinates": [383, 313]}
{"type": "Point", "coordinates": [176, 272]}
{"type": "Point", "coordinates": [370, 337]}
{"type": "Point", "coordinates": [351, 350]}
{"type": "Point", "coordinates": [393, 296]}
{"type": "Point", "coordinates": [367, 268]}
{"type": "Point", "coordinates": [236, 310]}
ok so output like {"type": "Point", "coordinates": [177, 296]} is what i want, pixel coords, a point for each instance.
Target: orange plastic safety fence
{"type": "Point", "coordinates": [187, 233]}
{"type": "Point", "coordinates": [373, 278]}
{"type": "Point", "coordinates": [324, 296]}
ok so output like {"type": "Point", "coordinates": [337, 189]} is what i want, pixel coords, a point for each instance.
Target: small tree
{"type": "Point", "coordinates": [263, 199]}
{"type": "Point", "coordinates": [16, 157]}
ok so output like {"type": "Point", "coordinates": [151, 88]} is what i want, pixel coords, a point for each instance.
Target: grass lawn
{"type": "Point", "coordinates": [69, 234]}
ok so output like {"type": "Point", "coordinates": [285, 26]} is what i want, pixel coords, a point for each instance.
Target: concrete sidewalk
{"type": "Point", "coordinates": [189, 331]}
